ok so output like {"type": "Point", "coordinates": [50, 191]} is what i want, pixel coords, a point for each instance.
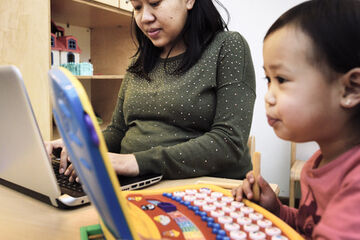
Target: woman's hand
{"type": "Point", "coordinates": [268, 198]}
{"type": "Point", "coordinates": [51, 147]}
{"type": "Point", "coordinates": [64, 157]}
{"type": "Point", "coordinates": [124, 164]}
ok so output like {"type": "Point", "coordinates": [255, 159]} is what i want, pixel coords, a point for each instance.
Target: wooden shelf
{"type": "Point", "coordinates": [111, 48]}
{"type": "Point", "coordinates": [88, 14]}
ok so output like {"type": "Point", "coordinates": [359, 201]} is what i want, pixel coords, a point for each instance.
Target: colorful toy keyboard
{"type": "Point", "coordinates": [197, 212]}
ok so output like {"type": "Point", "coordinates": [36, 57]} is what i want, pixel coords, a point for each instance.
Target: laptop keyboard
{"type": "Point", "coordinates": [73, 189]}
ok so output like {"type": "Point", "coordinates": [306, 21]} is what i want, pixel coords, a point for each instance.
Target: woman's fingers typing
{"type": "Point", "coordinates": [63, 160]}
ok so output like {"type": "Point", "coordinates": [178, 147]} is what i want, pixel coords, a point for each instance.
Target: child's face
{"type": "Point", "coordinates": [301, 104]}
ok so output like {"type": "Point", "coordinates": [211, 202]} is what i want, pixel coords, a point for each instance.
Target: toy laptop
{"type": "Point", "coordinates": [188, 212]}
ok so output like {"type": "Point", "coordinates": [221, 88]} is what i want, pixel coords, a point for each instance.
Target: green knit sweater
{"type": "Point", "coordinates": [191, 125]}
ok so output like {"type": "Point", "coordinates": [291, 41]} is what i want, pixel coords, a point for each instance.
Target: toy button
{"type": "Point", "coordinates": [90, 126]}
{"type": "Point", "coordinates": [167, 207]}
{"type": "Point", "coordinates": [210, 221]}
{"type": "Point", "coordinates": [167, 195]}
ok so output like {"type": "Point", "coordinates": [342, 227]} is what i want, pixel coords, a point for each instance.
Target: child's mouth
{"type": "Point", "coordinates": [272, 121]}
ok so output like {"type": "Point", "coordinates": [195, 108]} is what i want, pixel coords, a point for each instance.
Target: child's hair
{"type": "Point", "coordinates": [334, 28]}
{"type": "Point", "coordinates": [202, 24]}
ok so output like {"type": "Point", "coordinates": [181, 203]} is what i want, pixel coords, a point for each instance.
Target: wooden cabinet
{"type": "Point", "coordinates": [114, 3]}
{"type": "Point", "coordinates": [111, 47]}
{"type": "Point", "coordinates": [123, 4]}
{"type": "Point", "coordinates": [25, 43]}
{"type": "Point", "coordinates": [126, 5]}
{"type": "Point", "coordinates": [25, 33]}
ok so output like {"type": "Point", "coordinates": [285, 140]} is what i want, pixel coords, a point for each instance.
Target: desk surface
{"type": "Point", "coordinates": [22, 217]}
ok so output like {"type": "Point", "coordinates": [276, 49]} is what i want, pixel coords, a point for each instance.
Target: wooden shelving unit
{"type": "Point", "coordinates": [88, 13]}
{"type": "Point", "coordinates": [103, 93]}
{"type": "Point", "coordinates": [111, 47]}
{"type": "Point", "coordinates": [25, 27]}
{"type": "Point", "coordinates": [25, 43]}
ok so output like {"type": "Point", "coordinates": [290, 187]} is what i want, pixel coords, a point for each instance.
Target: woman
{"type": "Point", "coordinates": [185, 105]}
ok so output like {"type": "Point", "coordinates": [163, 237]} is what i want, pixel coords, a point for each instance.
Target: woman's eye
{"type": "Point", "coordinates": [155, 4]}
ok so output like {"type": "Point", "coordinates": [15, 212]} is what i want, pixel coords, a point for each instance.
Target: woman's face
{"type": "Point", "coordinates": [162, 21]}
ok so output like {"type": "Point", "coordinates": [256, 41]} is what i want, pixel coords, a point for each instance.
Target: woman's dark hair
{"type": "Point", "coordinates": [334, 28]}
{"type": "Point", "coordinates": [202, 24]}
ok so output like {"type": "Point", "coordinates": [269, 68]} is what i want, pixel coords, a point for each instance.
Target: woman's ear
{"type": "Point", "coordinates": [190, 4]}
{"type": "Point", "coordinates": [351, 88]}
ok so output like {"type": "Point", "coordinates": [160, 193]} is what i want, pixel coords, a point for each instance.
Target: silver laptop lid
{"type": "Point", "coordinates": [23, 158]}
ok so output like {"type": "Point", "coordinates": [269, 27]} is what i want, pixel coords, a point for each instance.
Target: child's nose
{"type": "Point", "coordinates": [270, 98]}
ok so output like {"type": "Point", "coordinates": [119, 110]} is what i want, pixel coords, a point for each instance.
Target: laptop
{"type": "Point", "coordinates": [24, 163]}
{"type": "Point", "coordinates": [184, 212]}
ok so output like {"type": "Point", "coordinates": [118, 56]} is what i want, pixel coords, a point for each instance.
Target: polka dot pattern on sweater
{"type": "Point", "coordinates": [190, 124]}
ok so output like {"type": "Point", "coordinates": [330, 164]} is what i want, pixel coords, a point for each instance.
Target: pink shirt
{"type": "Point", "coordinates": [330, 198]}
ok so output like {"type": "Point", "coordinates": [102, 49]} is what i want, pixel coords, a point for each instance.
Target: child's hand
{"type": "Point", "coordinates": [268, 198]}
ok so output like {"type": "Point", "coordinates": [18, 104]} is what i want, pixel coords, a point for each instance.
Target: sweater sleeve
{"type": "Point", "coordinates": [222, 151]}
{"type": "Point", "coordinates": [115, 131]}
{"type": "Point", "coordinates": [288, 214]}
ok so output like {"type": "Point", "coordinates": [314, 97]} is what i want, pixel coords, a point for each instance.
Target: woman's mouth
{"type": "Point", "coordinates": [153, 33]}
{"type": "Point", "coordinates": [271, 120]}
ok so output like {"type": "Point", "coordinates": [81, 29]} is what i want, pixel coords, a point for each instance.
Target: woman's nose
{"type": "Point", "coordinates": [147, 15]}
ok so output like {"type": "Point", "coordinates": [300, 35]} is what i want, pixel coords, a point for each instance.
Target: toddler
{"type": "Point", "coordinates": [312, 65]}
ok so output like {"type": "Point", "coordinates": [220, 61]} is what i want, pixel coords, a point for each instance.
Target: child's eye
{"type": "Point", "coordinates": [281, 80]}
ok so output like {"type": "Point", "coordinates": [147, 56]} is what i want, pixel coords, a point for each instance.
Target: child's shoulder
{"type": "Point", "coordinates": [349, 164]}
{"type": "Point", "coordinates": [353, 154]}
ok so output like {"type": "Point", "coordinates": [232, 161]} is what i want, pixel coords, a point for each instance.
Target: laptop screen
{"type": "Point", "coordinates": [22, 150]}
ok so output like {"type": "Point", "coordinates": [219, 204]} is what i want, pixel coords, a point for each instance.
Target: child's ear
{"type": "Point", "coordinates": [351, 88]}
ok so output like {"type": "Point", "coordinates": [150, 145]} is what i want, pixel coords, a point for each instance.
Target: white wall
{"type": "Point", "coordinates": [252, 19]}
